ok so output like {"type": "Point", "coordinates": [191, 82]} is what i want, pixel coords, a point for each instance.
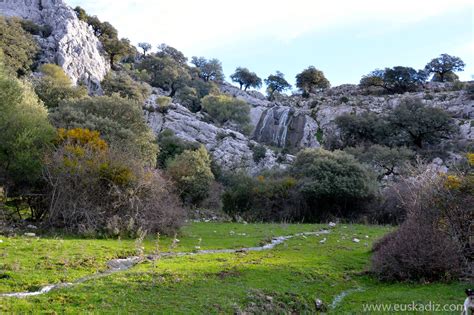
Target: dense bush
{"type": "Point", "coordinates": [224, 109]}
{"type": "Point", "coordinates": [171, 146]}
{"type": "Point", "coordinates": [319, 186]}
{"type": "Point", "coordinates": [259, 152]}
{"type": "Point", "coordinates": [165, 73]}
{"type": "Point", "coordinates": [55, 86]}
{"type": "Point", "coordinates": [93, 188]}
{"type": "Point", "coordinates": [191, 170]}
{"type": "Point", "coordinates": [120, 122]}
{"type": "Point", "coordinates": [271, 197]}
{"type": "Point", "coordinates": [385, 161]}
{"type": "Point", "coordinates": [396, 80]}
{"type": "Point", "coordinates": [19, 47]}
{"type": "Point", "coordinates": [25, 134]}
{"type": "Point", "coordinates": [332, 183]}
{"type": "Point", "coordinates": [411, 124]}
{"type": "Point", "coordinates": [191, 96]}
{"type": "Point", "coordinates": [125, 86]}
{"type": "Point", "coordinates": [433, 243]}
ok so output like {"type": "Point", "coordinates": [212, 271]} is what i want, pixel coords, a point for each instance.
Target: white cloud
{"type": "Point", "coordinates": [191, 24]}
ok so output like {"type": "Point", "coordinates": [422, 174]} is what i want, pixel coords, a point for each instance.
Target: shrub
{"type": "Point", "coordinates": [120, 122]}
{"type": "Point", "coordinates": [125, 86]}
{"type": "Point", "coordinates": [416, 252]}
{"type": "Point", "coordinates": [223, 108]}
{"type": "Point", "coordinates": [25, 134]}
{"type": "Point", "coordinates": [385, 161]}
{"type": "Point", "coordinates": [171, 146]}
{"type": "Point", "coordinates": [191, 170]}
{"type": "Point", "coordinates": [19, 47]}
{"type": "Point", "coordinates": [433, 243]}
{"type": "Point", "coordinates": [332, 182]}
{"type": "Point", "coordinates": [92, 188]}
{"type": "Point", "coordinates": [271, 197]}
{"type": "Point", "coordinates": [259, 153]}
{"type": "Point", "coordinates": [163, 103]}
{"type": "Point", "coordinates": [55, 86]}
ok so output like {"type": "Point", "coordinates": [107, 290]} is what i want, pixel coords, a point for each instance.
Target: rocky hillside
{"type": "Point", "coordinates": [71, 44]}
{"type": "Point", "coordinates": [283, 126]}
{"type": "Point", "coordinates": [292, 123]}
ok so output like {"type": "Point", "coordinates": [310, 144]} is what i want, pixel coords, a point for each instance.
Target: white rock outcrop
{"type": "Point", "coordinates": [72, 44]}
{"type": "Point", "coordinates": [231, 149]}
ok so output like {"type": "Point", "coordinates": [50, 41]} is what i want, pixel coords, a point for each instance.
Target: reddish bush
{"type": "Point", "coordinates": [433, 243]}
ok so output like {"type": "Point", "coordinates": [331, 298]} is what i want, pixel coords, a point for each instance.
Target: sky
{"type": "Point", "coordinates": [346, 39]}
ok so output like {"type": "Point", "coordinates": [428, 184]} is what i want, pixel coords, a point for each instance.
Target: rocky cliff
{"type": "Point", "coordinates": [292, 123]}
{"type": "Point", "coordinates": [72, 45]}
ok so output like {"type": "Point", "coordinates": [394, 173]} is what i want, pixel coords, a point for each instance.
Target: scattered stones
{"type": "Point", "coordinates": [32, 227]}
{"type": "Point", "coordinates": [323, 241]}
{"type": "Point", "coordinates": [332, 225]}
{"type": "Point", "coordinates": [320, 306]}
{"type": "Point", "coordinates": [30, 234]}
{"type": "Point", "coordinates": [356, 240]}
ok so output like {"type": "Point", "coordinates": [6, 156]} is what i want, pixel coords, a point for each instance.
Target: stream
{"type": "Point", "coordinates": [118, 265]}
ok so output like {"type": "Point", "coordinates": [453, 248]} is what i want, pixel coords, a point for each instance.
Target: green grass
{"type": "Point", "coordinates": [296, 272]}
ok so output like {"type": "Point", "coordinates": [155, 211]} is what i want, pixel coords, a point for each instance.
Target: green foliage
{"type": "Point", "coordinates": [165, 73]}
{"type": "Point", "coordinates": [24, 134]}
{"type": "Point", "coordinates": [125, 86]}
{"type": "Point", "coordinates": [81, 14]}
{"type": "Point", "coordinates": [208, 70]}
{"type": "Point", "coordinates": [397, 80]}
{"type": "Point", "coordinates": [171, 52]}
{"type": "Point", "coordinates": [191, 170]}
{"type": "Point", "coordinates": [384, 160]}
{"type": "Point", "coordinates": [269, 197]}
{"type": "Point", "coordinates": [259, 153]}
{"type": "Point", "coordinates": [246, 79]}
{"type": "Point", "coordinates": [418, 124]}
{"type": "Point", "coordinates": [332, 180]}
{"type": "Point", "coordinates": [163, 103]}
{"type": "Point", "coordinates": [91, 187]}
{"type": "Point", "coordinates": [119, 121]}
{"type": "Point", "coordinates": [19, 47]}
{"type": "Point", "coordinates": [191, 96]}
{"type": "Point", "coordinates": [224, 109]}
{"type": "Point", "coordinates": [410, 124]}
{"type": "Point", "coordinates": [55, 86]}
{"type": "Point", "coordinates": [276, 83]}
{"type": "Point", "coordinates": [116, 48]}
{"type": "Point", "coordinates": [171, 146]}
{"type": "Point", "coordinates": [311, 79]}
{"type": "Point", "coordinates": [444, 67]}
{"type": "Point", "coordinates": [35, 29]}
{"type": "Point", "coordinates": [145, 47]}
{"type": "Point", "coordinates": [367, 127]}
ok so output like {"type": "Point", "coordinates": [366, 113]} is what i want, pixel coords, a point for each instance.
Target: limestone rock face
{"type": "Point", "coordinates": [72, 44]}
{"type": "Point", "coordinates": [230, 149]}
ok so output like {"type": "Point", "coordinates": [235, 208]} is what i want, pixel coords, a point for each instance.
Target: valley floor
{"type": "Point", "coordinates": [289, 277]}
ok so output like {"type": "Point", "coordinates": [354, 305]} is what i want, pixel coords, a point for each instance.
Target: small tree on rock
{"type": "Point", "coordinates": [276, 83]}
{"type": "Point", "coordinates": [145, 47]}
{"type": "Point", "coordinates": [311, 79]}
{"type": "Point", "coordinates": [246, 79]}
